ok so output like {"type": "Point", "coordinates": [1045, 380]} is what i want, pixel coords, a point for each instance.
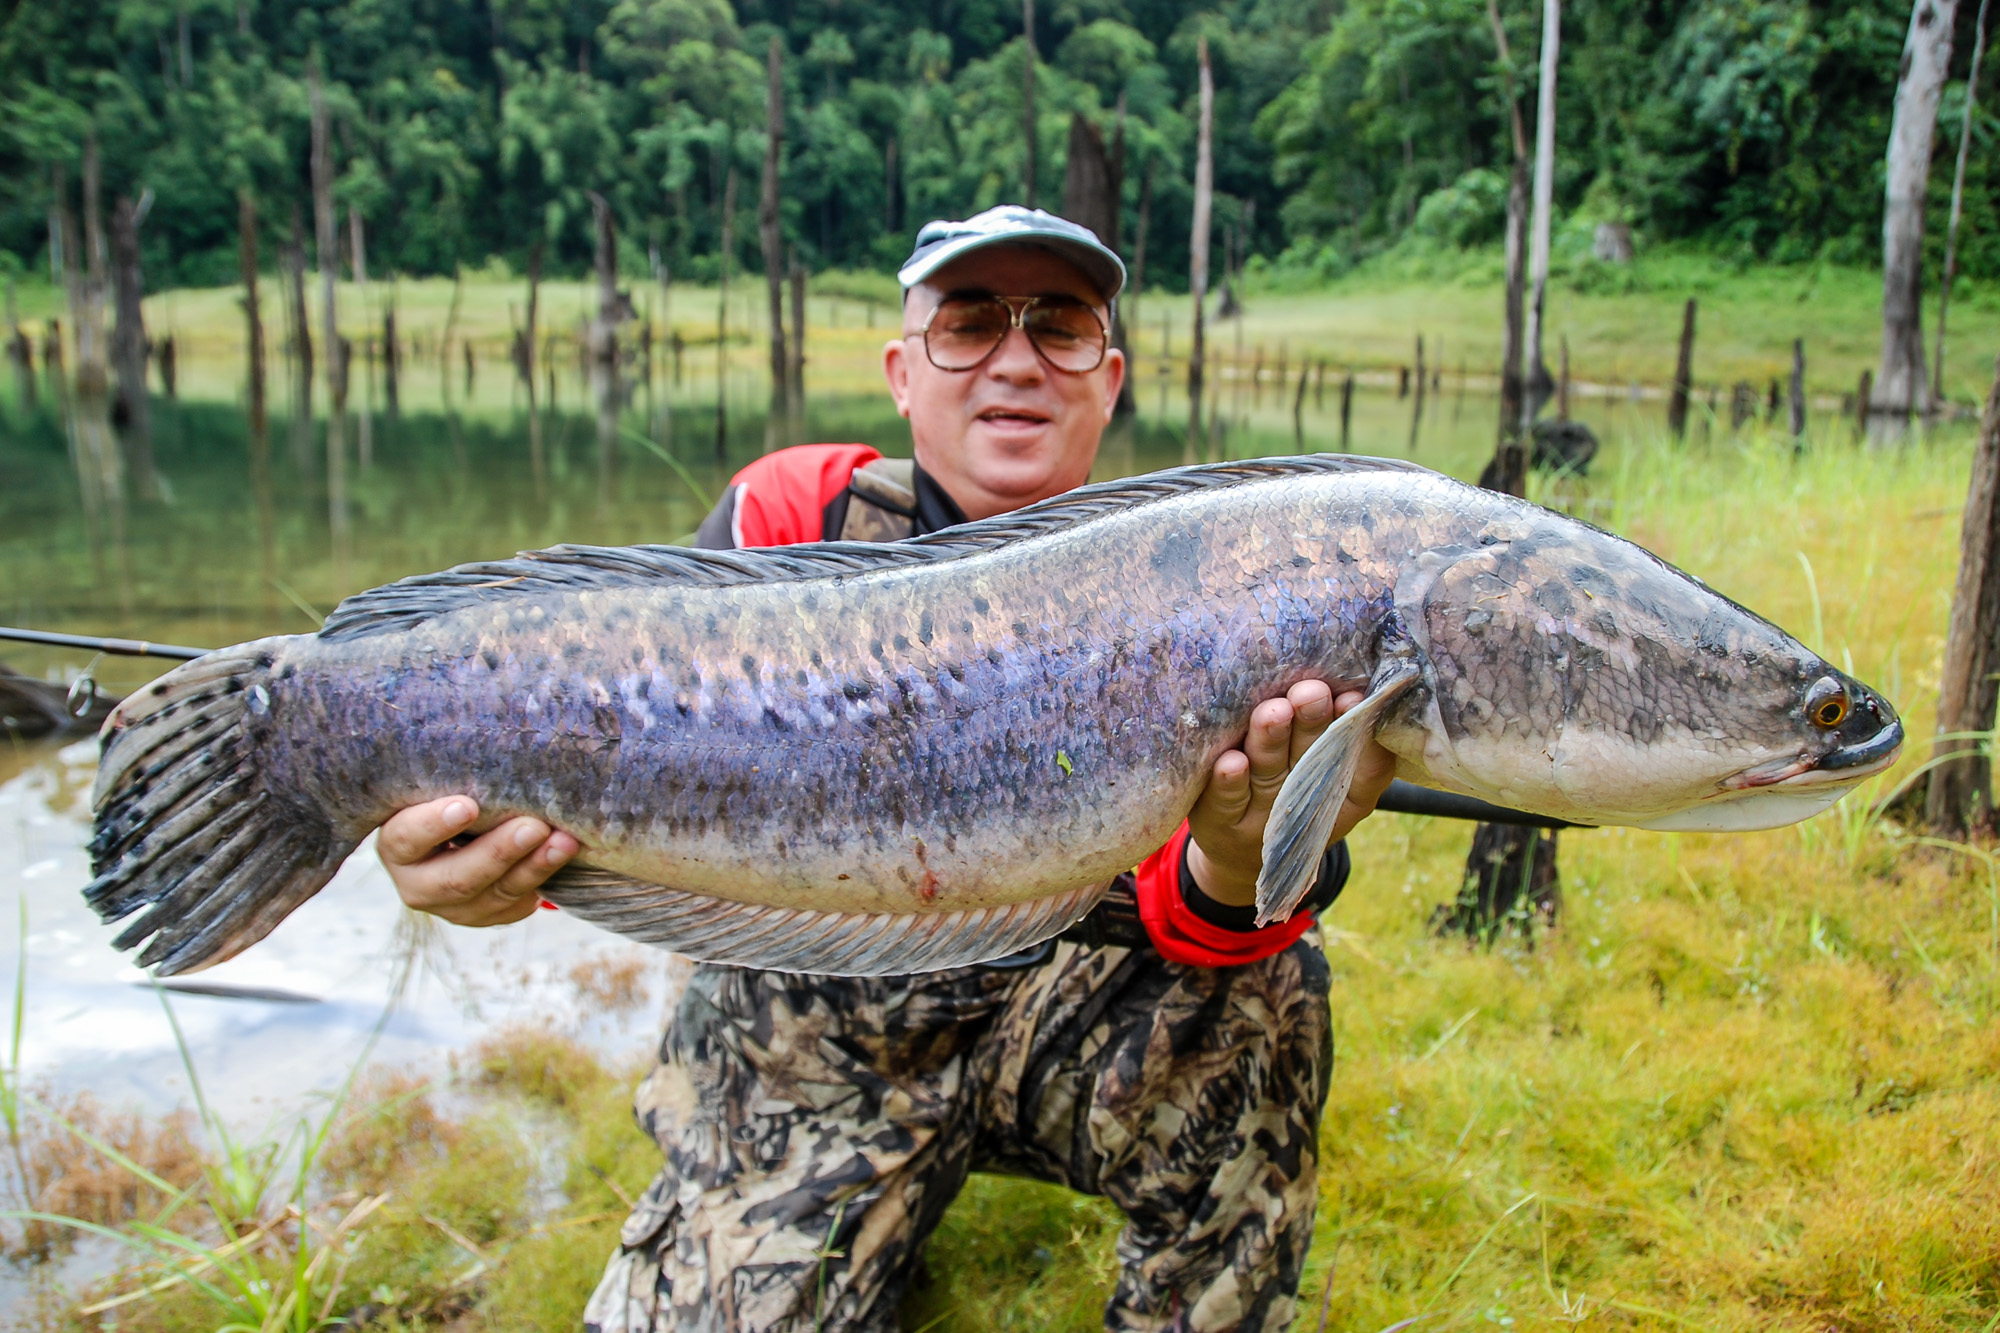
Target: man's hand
{"type": "Point", "coordinates": [1226, 826]}
{"type": "Point", "coordinates": [488, 881]}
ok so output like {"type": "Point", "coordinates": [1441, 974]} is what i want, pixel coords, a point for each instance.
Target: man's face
{"type": "Point", "coordinates": [1013, 429]}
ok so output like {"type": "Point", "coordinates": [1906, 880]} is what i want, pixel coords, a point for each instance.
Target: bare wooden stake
{"type": "Point", "coordinates": [1677, 404]}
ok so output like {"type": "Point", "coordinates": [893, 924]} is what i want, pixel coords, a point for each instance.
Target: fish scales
{"type": "Point", "coordinates": [851, 758]}
{"type": "Point", "coordinates": [736, 742]}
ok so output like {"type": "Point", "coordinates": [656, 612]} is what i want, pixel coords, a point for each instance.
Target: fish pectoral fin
{"type": "Point", "coordinates": [1303, 816]}
{"type": "Point", "coordinates": [798, 939]}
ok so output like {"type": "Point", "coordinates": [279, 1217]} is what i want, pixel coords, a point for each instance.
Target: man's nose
{"type": "Point", "coordinates": [1015, 359]}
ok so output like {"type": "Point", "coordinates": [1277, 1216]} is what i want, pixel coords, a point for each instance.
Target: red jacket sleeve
{"type": "Point", "coordinates": [1182, 936]}
{"type": "Point", "coordinates": [780, 498]}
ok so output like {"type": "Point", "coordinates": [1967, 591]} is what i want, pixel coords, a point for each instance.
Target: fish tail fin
{"type": "Point", "coordinates": [186, 827]}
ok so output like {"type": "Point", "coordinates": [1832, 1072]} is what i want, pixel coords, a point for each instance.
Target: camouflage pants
{"type": "Point", "coordinates": [815, 1128]}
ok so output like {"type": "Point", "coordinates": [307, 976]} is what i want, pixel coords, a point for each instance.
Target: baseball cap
{"type": "Point", "coordinates": [940, 242]}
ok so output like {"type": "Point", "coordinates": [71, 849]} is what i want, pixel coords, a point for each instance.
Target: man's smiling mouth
{"type": "Point", "coordinates": [1014, 416]}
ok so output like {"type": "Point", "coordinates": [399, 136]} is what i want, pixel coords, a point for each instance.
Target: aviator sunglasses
{"type": "Point", "coordinates": [966, 329]}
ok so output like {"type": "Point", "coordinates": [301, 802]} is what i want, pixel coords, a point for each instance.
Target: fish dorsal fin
{"type": "Point", "coordinates": [409, 602]}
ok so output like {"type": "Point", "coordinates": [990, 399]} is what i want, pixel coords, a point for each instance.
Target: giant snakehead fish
{"type": "Point", "coordinates": [873, 759]}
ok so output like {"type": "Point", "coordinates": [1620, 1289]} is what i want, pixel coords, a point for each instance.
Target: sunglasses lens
{"type": "Point", "coordinates": [963, 332]}
{"type": "Point", "coordinates": [1068, 333]}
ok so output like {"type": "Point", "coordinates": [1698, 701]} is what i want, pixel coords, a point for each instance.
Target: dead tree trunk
{"type": "Point", "coordinates": [1137, 286]}
{"type": "Point", "coordinates": [357, 249]}
{"type": "Point", "coordinates": [1960, 795]}
{"type": "Point", "coordinates": [1677, 402]}
{"type": "Point", "coordinates": [90, 369]}
{"type": "Point", "coordinates": [1028, 103]}
{"type": "Point", "coordinates": [1090, 187]}
{"type": "Point", "coordinates": [253, 315]}
{"type": "Point", "coordinates": [722, 316]}
{"type": "Point", "coordinates": [769, 229]}
{"type": "Point", "coordinates": [1539, 384]}
{"type": "Point", "coordinates": [295, 285]}
{"type": "Point", "coordinates": [1511, 388]}
{"type": "Point", "coordinates": [1093, 190]}
{"type": "Point", "coordinates": [604, 329]}
{"type": "Point", "coordinates": [1510, 872]}
{"type": "Point", "coordinates": [1198, 237]}
{"type": "Point", "coordinates": [1957, 201]}
{"type": "Point", "coordinates": [326, 236]}
{"type": "Point", "coordinates": [65, 250]}
{"type": "Point", "coordinates": [1901, 387]}
{"type": "Point", "coordinates": [128, 339]}
{"type": "Point", "coordinates": [526, 353]}
{"type": "Point", "coordinates": [797, 387]}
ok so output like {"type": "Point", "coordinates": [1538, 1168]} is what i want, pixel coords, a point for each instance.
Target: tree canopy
{"type": "Point", "coordinates": [468, 129]}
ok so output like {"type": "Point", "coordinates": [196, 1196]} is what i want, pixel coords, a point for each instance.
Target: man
{"type": "Point", "coordinates": [1167, 1054]}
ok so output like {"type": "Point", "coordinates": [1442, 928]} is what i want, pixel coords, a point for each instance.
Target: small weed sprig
{"type": "Point", "coordinates": [267, 1264]}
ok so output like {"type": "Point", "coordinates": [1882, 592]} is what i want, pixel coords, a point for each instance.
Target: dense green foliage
{"type": "Point", "coordinates": [466, 129]}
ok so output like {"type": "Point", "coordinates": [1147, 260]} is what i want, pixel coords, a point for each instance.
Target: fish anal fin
{"type": "Point", "coordinates": [794, 939]}
{"type": "Point", "coordinates": [1308, 804]}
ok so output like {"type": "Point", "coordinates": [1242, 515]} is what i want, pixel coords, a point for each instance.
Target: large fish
{"type": "Point", "coordinates": [880, 759]}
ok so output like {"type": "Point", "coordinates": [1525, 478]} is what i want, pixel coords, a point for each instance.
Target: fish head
{"type": "Point", "coordinates": [1574, 674]}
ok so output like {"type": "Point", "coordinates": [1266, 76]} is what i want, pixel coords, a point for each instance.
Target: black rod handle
{"type": "Point", "coordinates": [1406, 798]}
{"type": "Point", "coordinates": [117, 647]}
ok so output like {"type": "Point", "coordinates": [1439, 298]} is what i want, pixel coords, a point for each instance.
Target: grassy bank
{"type": "Point", "coordinates": [1752, 1082]}
{"type": "Point", "coordinates": [1622, 323]}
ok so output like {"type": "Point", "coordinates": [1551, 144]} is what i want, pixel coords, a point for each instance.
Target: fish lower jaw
{"type": "Point", "coordinates": [1775, 806]}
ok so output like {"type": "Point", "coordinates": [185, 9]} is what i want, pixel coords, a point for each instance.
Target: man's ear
{"type": "Point", "coordinates": [896, 369]}
{"type": "Point", "coordinates": [1114, 380]}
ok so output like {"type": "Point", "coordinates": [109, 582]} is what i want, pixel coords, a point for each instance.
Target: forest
{"type": "Point", "coordinates": [472, 131]}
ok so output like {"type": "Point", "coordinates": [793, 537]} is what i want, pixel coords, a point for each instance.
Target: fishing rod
{"type": "Point", "coordinates": [1402, 798]}
{"type": "Point", "coordinates": [114, 647]}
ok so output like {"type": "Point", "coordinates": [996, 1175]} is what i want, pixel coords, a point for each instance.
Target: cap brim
{"type": "Point", "coordinates": [1101, 266]}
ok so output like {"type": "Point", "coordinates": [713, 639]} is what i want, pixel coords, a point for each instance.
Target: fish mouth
{"type": "Point", "coordinates": [1847, 763]}
{"type": "Point", "coordinates": [1788, 791]}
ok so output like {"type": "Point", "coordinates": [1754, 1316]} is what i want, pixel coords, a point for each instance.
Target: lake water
{"type": "Point", "coordinates": [211, 533]}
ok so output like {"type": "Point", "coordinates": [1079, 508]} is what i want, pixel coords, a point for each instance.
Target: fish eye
{"type": "Point", "coordinates": [1827, 703]}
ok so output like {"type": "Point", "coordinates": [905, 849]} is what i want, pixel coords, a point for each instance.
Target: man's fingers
{"type": "Point", "coordinates": [1312, 713]}
{"type": "Point", "coordinates": [1227, 795]}
{"type": "Point", "coordinates": [461, 873]}
{"type": "Point", "coordinates": [414, 833]}
{"type": "Point", "coordinates": [1269, 746]}
{"type": "Point", "coordinates": [533, 870]}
